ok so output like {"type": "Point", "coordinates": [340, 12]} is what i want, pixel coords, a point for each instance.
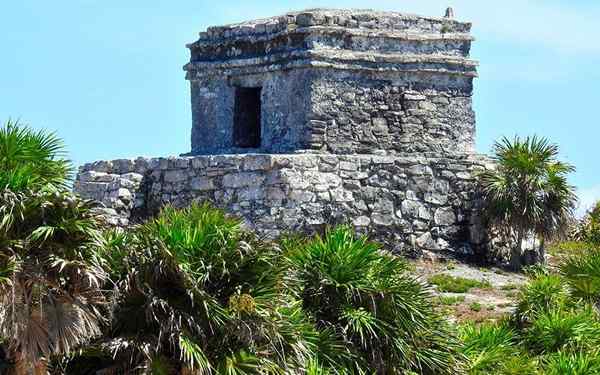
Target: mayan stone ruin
{"type": "Point", "coordinates": [317, 118]}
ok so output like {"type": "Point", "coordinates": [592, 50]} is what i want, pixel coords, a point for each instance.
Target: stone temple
{"type": "Point", "coordinates": [322, 117]}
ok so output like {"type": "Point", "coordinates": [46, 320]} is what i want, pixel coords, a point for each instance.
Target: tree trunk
{"type": "Point", "coordinates": [41, 367]}
{"type": "Point", "coordinates": [23, 366]}
{"type": "Point", "coordinates": [516, 252]}
{"type": "Point", "coordinates": [542, 250]}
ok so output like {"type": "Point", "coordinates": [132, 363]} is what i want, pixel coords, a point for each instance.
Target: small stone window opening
{"type": "Point", "coordinates": [246, 119]}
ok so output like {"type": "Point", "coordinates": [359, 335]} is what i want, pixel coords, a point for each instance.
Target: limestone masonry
{"type": "Point", "coordinates": [322, 117]}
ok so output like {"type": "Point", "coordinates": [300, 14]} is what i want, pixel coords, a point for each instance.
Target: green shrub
{"type": "Point", "coordinates": [553, 330]}
{"type": "Point", "coordinates": [541, 294]}
{"type": "Point", "coordinates": [588, 229]}
{"type": "Point", "coordinates": [371, 302]}
{"type": "Point", "coordinates": [560, 329]}
{"type": "Point", "coordinates": [536, 270]}
{"type": "Point", "coordinates": [475, 306]}
{"type": "Point", "coordinates": [528, 192]}
{"type": "Point", "coordinates": [452, 284]}
{"type": "Point", "coordinates": [566, 248]}
{"type": "Point", "coordinates": [314, 368]}
{"type": "Point", "coordinates": [519, 364]}
{"type": "Point", "coordinates": [578, 363]}
{"type": "Point", "coordinates": [451, 300]}
{"type": "Point", "coordinates": [197, 291]}
{"type": "Point", "coordinates": [581, 270]}
{"type": "Point", "coordinates": [493, 348]}
{"type": "Point", "coordinates": [51, 283]}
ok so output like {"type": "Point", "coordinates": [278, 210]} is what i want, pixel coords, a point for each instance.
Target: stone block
{"type": "Point", "coordinates": [202, 183]}
{"type": "Point", "coordinates": [127, 184]}
{"type": "Point", "coordinates": [302, 196]}
{"type": "Point", "coordinates": [175, 176]}
{"type": "Point", "coordinates": [95, 176]}
{"type": "Point", "coordinates": [382, 204]}
{"type": "Point", "coordinates": [445, 216]}
{"type": "Point", "coordinates": [426, 241]}
{"type": "Point", "coordinates": [257, 163]}
{"type": "Point", "coordinates": [237, 180]}
{"type": "Point", "coordinates": [134, 177]}
{"type": "Point", "coordinates": [251, 193]}
{"type": "Point", "coordinates": [411, 208]}
{"type": "Point", "coordinates": [382, 219]}
{"type": "Point", "coordinates": [310, 19]}
{"type": "Point", "coordinates": [436, 198]}
{"type": "Point", "coordinates": [275, 195]}
{"type": "Point", "coordinates": [361, 221]}
{"type": "Point", "coordinates": [341, 195]}
{"type": "Point", "coordinates": [199, 163]}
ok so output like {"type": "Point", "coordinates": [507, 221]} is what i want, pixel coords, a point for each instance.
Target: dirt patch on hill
{"type": "Point", "coordinates": [489, 293]}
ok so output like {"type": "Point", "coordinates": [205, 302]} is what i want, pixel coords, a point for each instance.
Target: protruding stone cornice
{"type": "Point", "coordinates": [338, 59]}
{"type": "Point", "coordinates": [331, 30]}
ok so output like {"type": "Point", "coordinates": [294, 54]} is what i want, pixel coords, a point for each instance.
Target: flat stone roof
{"type": "Point", "coordinates": [361, 19]}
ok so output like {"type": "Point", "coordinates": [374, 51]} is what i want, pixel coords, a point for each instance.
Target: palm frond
{"type": "Point", "coordinates": [381, 317]}
{"type": "Point", "coordinates": [193, 356]}
{"type": "Point", "coordinates": [31, 159]}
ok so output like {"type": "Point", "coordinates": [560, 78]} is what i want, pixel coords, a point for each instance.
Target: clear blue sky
{"type": "Point", "coordinates": [107, 75]}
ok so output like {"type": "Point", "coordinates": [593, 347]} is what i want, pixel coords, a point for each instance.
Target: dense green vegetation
{"type": "Point", "coordinates": [196, 292]}
{"type": "Point", "coordinates": [193, 292]}
{"type": "Point", "coordinates": [555, 328]}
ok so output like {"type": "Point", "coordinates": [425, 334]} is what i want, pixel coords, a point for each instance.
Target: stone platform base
{"type": "Point", "coordinates": [408, 203]}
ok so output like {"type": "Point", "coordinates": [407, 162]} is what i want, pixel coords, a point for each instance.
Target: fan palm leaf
{"type": "Point", "coordinates": [527, 192]}
{"type": "Point", "coordinates": [30, 159]}
{"type": "Point", "coordinates": [51, 296]}
{"type": "Point", "coordinates": [202, 293]}
{"type": "Point", "coordinates": [366, 299]}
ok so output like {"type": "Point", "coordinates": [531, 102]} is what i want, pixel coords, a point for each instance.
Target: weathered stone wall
{"type": "Point", "coordinates": [358, 113]}
{"type": "Point", "coordinates": [339, 112]}
{"type": "Point", "coordinates": [285, 105]}
{"type": "Point", "coordinates": [409, 203]}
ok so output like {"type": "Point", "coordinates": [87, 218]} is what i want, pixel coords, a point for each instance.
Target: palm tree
{"type": "Point", "coordinates": [51, 299]}
{"type": "Point", "coordinates": [199, 294]}
{"type": "Point", "coordinates": [527, 193]}
{"type": "Point", "coordinates": [370, 304]}
{"type": "Point", "coordinates": [50, 283]}
{"type": "Point", "coordinates": [31, 159]}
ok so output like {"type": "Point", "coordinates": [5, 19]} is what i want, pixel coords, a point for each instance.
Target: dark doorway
{"type": "Point", "coordinates": [246, 119]}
